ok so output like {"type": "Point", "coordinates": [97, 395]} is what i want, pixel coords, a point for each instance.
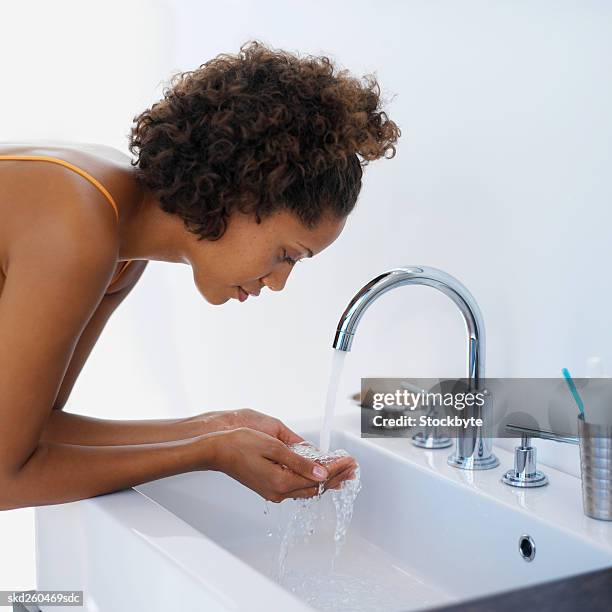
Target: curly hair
{"type": "Point", "coordinates": [260, 131]}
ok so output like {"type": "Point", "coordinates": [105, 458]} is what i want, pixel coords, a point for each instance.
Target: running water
{"type": "Point", "coordinates": [330, 401]}
{"type": "Point", "coordinates": [302, 522]}
{"type": "Point", "coordinates": [307, 513]}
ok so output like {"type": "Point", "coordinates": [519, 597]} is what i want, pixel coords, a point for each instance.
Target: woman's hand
{"type": "Point", "coordinates": [223, 420]}
{"type": "Point", "coordinates": [263, 463]}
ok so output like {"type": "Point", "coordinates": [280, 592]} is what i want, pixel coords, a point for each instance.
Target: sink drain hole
{"type": "Point", "coordinates": [527, 547]}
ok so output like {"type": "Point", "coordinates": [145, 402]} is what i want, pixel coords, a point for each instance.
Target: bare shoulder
{"type": "Point", "coordinates": [42, 202]}
{"type": "Point", "coordinates": [70, 239]}
{"type": "Point", "coordinates": [65, 217]}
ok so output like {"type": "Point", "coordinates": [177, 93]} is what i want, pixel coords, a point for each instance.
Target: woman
{"type": "Point", "coordinates": [247, 165]}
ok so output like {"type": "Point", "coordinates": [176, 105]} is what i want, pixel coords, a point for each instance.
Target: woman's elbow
{"type": "Point", "coordinates": [9, 495]}
{"type": "Point", "coordinates": [12, 492]}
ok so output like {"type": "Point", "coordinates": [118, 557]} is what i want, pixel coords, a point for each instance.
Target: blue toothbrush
{"type": "Point", "coordinates": [574, 391]}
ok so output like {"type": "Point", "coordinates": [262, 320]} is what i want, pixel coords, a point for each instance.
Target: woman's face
{"type": "Point", "coordinates": [250, 256]}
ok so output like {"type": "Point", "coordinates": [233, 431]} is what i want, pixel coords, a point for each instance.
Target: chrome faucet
{"type": "Point", "coordinates": [472, 448]}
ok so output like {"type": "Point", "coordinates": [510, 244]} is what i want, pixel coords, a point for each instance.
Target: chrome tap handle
{"type": "Point", "coordinates": [542, 433]}
{"type": "Point", "coordinates": [525, 473]}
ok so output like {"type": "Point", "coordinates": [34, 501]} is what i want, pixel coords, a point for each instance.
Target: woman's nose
{"type": "Point", "coordinates": [275, 281]}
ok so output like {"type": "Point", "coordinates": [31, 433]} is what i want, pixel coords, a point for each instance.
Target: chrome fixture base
{"type": "Point", "coordinates": [537, 479]}
{"type": "Point", "coordinates": [473, 462]}
{"type": "Point", "coordinates": [430, 441]}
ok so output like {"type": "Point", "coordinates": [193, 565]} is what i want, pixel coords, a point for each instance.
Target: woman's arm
{"type": "Point", "coordinates": [59, 473]}
{"type": "Point", "coordinates": [68, 428]}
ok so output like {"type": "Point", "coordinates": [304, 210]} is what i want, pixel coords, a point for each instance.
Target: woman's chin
{"type": "Point", "coordinates": [215, 300]}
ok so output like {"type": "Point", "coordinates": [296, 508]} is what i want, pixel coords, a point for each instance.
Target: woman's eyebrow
{"type": "Point", "coordinates": [305, 247]}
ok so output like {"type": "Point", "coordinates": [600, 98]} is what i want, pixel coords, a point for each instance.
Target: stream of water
{"type": "Point", "coordinates": [307, 513]}
{"type": "Point", "coordinates": [302, 523]}
{"type": "Point", "coordinates": [337, 364]}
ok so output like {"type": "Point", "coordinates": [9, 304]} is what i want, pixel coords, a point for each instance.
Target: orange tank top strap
{"type": "Point", "coordinates": [72, 167]}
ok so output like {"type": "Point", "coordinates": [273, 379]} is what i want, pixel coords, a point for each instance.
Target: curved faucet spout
{"type": "Point", "coordinates": [473, 450]}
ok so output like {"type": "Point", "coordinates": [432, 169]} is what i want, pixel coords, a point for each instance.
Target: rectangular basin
{"type": "Point", "coordinates": [423, 535]}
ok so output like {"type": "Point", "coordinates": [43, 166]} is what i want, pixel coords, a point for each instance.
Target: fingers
{"type": "Point", "coordinates": [336, 481]}
{"type": "Point", "coordinates": [304, 493]}
{"type": "Point", "coordinates": [286, 484]}
{"type": "Point", "coordinates": [286, 435]}
{"type": "Point", "coordinates": [292, 486]}
{"type": "Point", "coordinates": [340, 470]}
{"type": "Point", "coordinates": [247, 417]}
{"type": "Point", "coordinates": [332, 484]}
{"type": "Point", "coordinates": [300, 465]}
{"type": "Point", "coordinates": [312, 491]}
{"type": "Point", "coordinates": [340, 465]}
{"type": "Point", "coordinates": [283, 483]}
{"type": "Point", "coordinates": [286, 479]}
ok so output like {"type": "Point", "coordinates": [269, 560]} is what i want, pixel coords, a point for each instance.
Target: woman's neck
{"type": "Point", "coordinates": [148, 232]}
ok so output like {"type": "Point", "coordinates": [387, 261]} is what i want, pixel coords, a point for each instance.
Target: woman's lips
{"type": "Point", "coordinates": [242, 294]}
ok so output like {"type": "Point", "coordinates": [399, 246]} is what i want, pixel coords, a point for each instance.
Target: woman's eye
{"type": "Point", "coordinates": [288, 259]}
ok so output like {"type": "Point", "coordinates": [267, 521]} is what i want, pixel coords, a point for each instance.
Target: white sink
{"type": "Point", "coordinates": [423, 535]}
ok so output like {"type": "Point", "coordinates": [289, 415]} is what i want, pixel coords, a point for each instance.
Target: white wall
{"type": "Point", "coordinates": [502, 178]}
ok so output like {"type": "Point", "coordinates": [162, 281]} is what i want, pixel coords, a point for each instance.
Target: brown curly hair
{"type": "Point", "coordinates": [260, 131]}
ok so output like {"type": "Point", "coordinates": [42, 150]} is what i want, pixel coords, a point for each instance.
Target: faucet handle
{"type": "Point", "coordinates": [524, 474]}
{"type": "Point", "coordinates": [542, 433]}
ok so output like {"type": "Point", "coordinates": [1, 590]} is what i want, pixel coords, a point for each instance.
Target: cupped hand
{"type": "Point", "coordinates": [264, 463]}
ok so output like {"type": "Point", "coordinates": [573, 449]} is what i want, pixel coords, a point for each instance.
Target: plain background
{"type": "Point", "coordinates": [502, 179]}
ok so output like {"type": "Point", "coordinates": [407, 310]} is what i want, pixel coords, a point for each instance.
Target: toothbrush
{"type": "Point", "coordinates": [574, 391]}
